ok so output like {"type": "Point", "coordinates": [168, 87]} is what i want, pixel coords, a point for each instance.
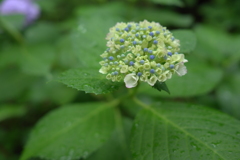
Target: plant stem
{"type": "Point", "coordinates": [11, 31]}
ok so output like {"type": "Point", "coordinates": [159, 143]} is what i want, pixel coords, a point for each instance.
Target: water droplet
{"type": "Point", "coordinates": [82, 29]}
{"type": "Point", "coordinates": [195, 146]}
{"type": "Point", "coordinates": [96, 135]}
{"type": "Point", "coordinates": [85, 154]}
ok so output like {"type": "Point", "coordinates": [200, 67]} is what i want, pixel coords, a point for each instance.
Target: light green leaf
{"type": "Point", "coordinates": [88, 80]}
{"type": "Point", "coordinates": [228, 95]}
{"type": "Point", "coordinates": [200, 79]}
{"type": "Point", "coordinates": [37, 60]}
{"type": "Point", "coordinates": [176, 131]}
{"type": "Point", "coordinates": [169, 2]}
{"type": "Point", "coordinates": [9, 111]}
{"type": "Point", "coordinates": [71, 132]}
{"type": "Point", "coordinates": [187, 40]}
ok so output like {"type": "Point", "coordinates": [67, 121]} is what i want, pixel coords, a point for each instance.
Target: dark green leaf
{"type": "Point", "coordinates": [228, 96]}
{"type": "Point", "coordinates": [176, 131]}
{"type": "Point", "coordinates": [42, 32]}
{"type": "Point", "coordinates": [88, 80]}
{"type": "Point", "coordinates": [117, 148]}
{"type": "Point", "coordinates": [89, 41]}
{"type": "Point", "coordinates": [71, 132]}
{"type": "Point", "coordinates": [169, 2]}
{"type": "Point", "coordinates": [37, 60]}
{"type": "Point", "coordinates": [200, 79]}
{"type": "Point", "coordinates": [9, 111]}
{"type": "Point", "coordinates": [187, 40]}
{"type": "Point", "coordinates": [161, 86]}
{"type": "Point", "coordinates": [13, 84]}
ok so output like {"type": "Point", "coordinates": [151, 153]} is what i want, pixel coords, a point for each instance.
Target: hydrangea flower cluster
{"type": "Point", "coordinates": [144, 51]}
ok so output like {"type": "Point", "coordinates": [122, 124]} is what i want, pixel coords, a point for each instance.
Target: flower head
{"type": "Point", "coordinates": [27, 8]}
{"type": "Point", "coordinates": [144, 51]}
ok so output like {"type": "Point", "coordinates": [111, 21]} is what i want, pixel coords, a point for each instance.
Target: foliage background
{"type": "Point", "coordinates": [32, 57]}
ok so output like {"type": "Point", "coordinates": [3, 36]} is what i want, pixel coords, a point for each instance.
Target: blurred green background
{"type": "Point", "coordinates": [31, 56]}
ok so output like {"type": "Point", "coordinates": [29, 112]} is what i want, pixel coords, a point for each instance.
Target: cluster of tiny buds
{"type": "Point", "coordinates": [144, 51]}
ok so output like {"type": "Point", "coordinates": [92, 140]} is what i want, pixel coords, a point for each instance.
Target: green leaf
{"type": "Point", "coordinates": [71, 132]}
{"type": "Point", "coordinates": [55, 92]}
{"type": "Point", "coordinates": [42, 32]}
{"type": "Point", "coordinates": [9, 55]}
{"type": "Point", "coordinates": [88, 80]}
{"type": "Point", "coordinates": [176, 131]}
{"type": "Point", "coordinates": [161, 86]}
{"type": "Point", "coordinates": [89, 39]}
{"type": "Point", "coordinates": [13, 84]}
{"type": "Point", "coordinates": [9, 111]}
{"type": "Point", "coordinates": [117, 148]}
{"type": "Point", "coordinates": [187, 40]}
{"type": "Point", "coordinates": [200, 79]}
{"type": "Point", "coordinates": [228, 96]}
{"type": "Point", "coordinates": [15, 21]}
{"type": "Point", "coordinates": [163, 16]}
{"type": "Point", "coordinates": [37, 60]}
{"type": "Point", "coordinates": [169, 2]}
{"type": "Point", "coordinates": [216, 43]}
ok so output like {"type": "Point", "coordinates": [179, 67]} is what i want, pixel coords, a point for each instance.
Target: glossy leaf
{"type": "Point", "coordinates": [88, 80]}
{"type": "Point", "coordinates": [175, 131]}
{"type": "Point", "coordinates": [187, 40]}
{"type": "Point", "coordinates": [71, 132]}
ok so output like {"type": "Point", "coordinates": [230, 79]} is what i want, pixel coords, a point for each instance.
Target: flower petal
{"type": "Point", "coordinates": [131, 80]}
{"type": "Point", "coordinates": [181, 69]}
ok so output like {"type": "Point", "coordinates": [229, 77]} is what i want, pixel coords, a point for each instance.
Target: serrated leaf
{"type": "Point", "coordinates": [187, 40]}
{"type": "Point", "coordinates": [71, 132]}
{"type": "Point", "coordinates": [176, 131]}
{"type": "Point", "coordinates": [88, 80]}
{"type": "Point", "coordinates": [169, 2]}
{"type": "Point", "coordinates": [200, 79]}
{"type": "Point", "coordinates": [161, 86]}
